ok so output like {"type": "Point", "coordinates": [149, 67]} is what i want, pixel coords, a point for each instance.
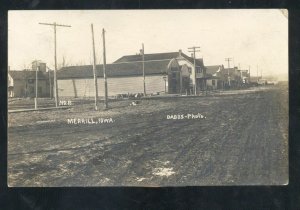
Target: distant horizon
{"type": "Point", "coordinates": [279, 77]}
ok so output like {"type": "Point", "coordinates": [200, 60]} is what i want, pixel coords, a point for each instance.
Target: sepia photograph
{"type": "Point", "coordinates": [147, 98]}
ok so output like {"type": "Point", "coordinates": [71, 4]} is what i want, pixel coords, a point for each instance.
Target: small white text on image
{"type": "Point", "coordinates": [185, 116]}
{"type": "Point", "coordinates": [89, 121]}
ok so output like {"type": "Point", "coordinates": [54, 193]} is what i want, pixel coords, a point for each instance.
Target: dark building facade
{"type": "Point", "coordinates": [23, 84]}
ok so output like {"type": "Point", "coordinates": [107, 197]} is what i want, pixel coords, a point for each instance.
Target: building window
{"type": "Point", "coordinates": [213, 82]}
{"type": "Point", "coordinates": [173, 69]}
{"type": "Point", "coordinates": [198, 69]}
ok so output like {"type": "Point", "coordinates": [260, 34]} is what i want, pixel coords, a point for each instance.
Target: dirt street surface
{"type": "Point", "coordinates": [239, 139]}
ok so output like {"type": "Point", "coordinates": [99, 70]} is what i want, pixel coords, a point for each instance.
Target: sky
{"type": "Point", "coordinates": [257, 38]}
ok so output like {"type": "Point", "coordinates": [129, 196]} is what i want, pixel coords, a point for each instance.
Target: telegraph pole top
{"type": "Point", "coordinates": [54, 24]}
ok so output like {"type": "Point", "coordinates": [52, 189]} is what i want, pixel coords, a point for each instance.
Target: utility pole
{"type": "Point", "coordinates": [241, 71]}
{"type": "Point", "coordinates": [228, 60]}
{"type": "Point", "coordinates": [50, 85]}
{"type": "Point", "coordinates": [257, 72]}
{"type": "Point", "coordinates": [104, 70]}
{"type": "Point", "coordinates": [55, 60]}
{"type": "Point", "coordinates": [36, 85]}
{"type": "Point", "coordinates": [94, 69]}
{"type": "Point", "coordinates": [194, 50]}
{"type": "Point", "coordinates": [249, 75]}
{"type": "Point", "coordinates": [144, 77]}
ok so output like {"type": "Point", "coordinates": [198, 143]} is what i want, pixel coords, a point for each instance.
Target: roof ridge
{"type": "Point", "coordinates": [129, 62]}
{"type": "Point", "coordinates": [151, 53]}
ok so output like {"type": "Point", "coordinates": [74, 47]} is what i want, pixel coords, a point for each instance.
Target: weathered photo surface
{"type": "Point", "coordinates": [147, 98]}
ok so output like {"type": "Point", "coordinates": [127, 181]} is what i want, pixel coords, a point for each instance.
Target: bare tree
{"type": "Point", "coordinates": [64, 62]}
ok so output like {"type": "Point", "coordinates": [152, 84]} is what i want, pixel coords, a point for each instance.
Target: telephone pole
{"type": "Point", "coordinates": [50, 81]}
{"type": "Point", "coordinates": [144, 77]}
{"type": "Point", "coordinates": [94, 69]}
{"type": "Point", "coordinates": [104, 70]}
{"type": "Point", "coordinates": [249, 75]}
{"type": "Point", "coordinates": [194, 50]}
{"type": "Point", "coordinates": [257, 72]}
{"type": "Point", "coordinates": [55, 60]}
{"type": "Point", "coordinates": [228, 60]}
{"type": "Point", "coordinates": [36, 84]}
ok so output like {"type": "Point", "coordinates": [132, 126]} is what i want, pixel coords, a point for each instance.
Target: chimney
{"type": "Point", "coordinates": [42, 67]}
{"type": "Point", "coordinates": [38, 65]}
{"type": "Point", "coordinates": [180, 51]}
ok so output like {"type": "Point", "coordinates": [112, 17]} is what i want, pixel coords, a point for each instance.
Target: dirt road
{"type": "Point", "coordinates": [241, 139]}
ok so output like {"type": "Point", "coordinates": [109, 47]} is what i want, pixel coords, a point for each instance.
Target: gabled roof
{"type": "Point", "coordinates": [147, 57]}
{"type": "Point", "coordinates": [27, 74]}
{"type": "Point", "coordinates": [199, 61]}
{"type": "Point", "coordinates": [212, 69]}
{"type": "Point", "coordinates": [158, 56]}
{"type": "Point", "coordinates": [115, 69]}
{"type": "Point", "coordinates": [129, 65]}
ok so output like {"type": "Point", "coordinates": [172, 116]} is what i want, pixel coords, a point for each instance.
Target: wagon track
{"type": "Point", "coordinates": [242, 140]}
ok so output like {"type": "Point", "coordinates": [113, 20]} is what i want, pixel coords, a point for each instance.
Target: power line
{"type": "Point", "coordinates": [36, 84]}
{"type": "Point", "coordinates": [55, 60]}
{"type": "Point", "coordinates": [194, 50]}
{"type": "Point", "coordinates": [249, 74]}
{"type": "Point", "coordinates": [94, 68]}
{"type": "Point", "coordinates": [257, 72]}
{"type": "Point", "coordinates": [228, 76]}
{"type": "Point", "coordinates": [228, 60]}
{"type": "Point", "coordinates": [50, 85]}
{"type": "Point", "coordinates": [104, 70]}
{"type": "Point", "coordinates": [144, 76]}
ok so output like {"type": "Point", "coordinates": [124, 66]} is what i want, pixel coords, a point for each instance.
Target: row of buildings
{"type": "Point", "coordinates": [172, 73]}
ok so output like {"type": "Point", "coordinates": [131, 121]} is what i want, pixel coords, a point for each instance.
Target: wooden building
{"type": "Point", "coordinates": [23, 83]}
{"type": "Point", "coordinates": [231, 77]}
{"type": "Point", "coordinates": [164, 72]}
{"type": "Point", "coordinates": [215, 79]}
{"type": "Point", "coordinates": [245, 77]}
{"type": "Point", "coordinates": [197, 73]}
{"type": "Point", "coordinates": [182, 59]}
